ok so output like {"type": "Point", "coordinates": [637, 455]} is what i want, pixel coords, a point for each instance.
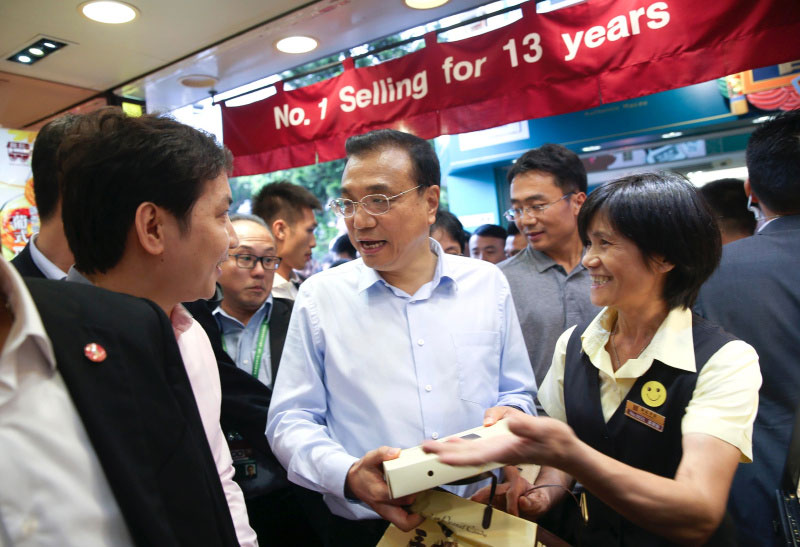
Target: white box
{"type": "Point", "coordinates": [414, 470]}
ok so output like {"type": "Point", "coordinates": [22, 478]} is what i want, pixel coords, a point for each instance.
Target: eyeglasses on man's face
{"type": "Point", "coordinates": [374, 204]}
{"type": "Point", "coordinates": [516, 213]}
{"type": "Point", "coordinates": [248, 262]}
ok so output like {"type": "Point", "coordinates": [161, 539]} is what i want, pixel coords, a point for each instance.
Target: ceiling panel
{"type": "Point", "coordinates": [172, 38]}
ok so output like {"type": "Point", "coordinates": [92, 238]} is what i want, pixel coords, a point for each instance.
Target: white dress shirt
{"type": "Point", "coordinates": [366, 364]}
{"type": "Point", "coordinates": [285, 288]}
{"type": "Point", "coordinates": [50, 270]}
{"type": "Point", "coordinates": [53, 491]}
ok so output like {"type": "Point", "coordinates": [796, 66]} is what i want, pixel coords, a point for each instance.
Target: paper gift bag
{"type": "Point", "coordinates": [452, 520]}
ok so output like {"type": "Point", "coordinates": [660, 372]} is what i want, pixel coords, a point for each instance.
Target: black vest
{"type": "Point", "coordinates": [629, 441]}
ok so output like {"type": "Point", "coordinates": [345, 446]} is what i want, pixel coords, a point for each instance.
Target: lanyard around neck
{"type": "Point", "coordinates": [260, 343]}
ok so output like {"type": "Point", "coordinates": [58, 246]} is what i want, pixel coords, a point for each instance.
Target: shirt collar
{"type": "Point", "coordinates": [50, 270]}
{"type": "Point", "coordinates": [672, 344]}
{"type": "Point", "coordinates": [181, 320]}
{"type": "Point", "coordinates": [543, 262]}
{"type": "Point", "coordinates": [27, 322]}
{"type": "Point", "coordinates": [264, 311]}
{"type": "Point", "coordinates": [75, 276]}
{"type": "Point", "coordinates": [442, 273]}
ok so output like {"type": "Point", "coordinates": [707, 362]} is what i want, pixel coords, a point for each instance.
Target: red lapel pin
{"type": "Point", "coordinates": [95, 352]}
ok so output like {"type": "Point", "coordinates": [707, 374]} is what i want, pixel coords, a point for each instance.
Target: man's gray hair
{"type": "Point", "coordinates": [252, 218]}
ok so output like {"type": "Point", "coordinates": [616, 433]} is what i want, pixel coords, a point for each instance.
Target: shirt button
{"type": "Point", "coordinates": [420, 342]}
{"type": "Point", "coordinates": [428, 387]}
{"type": "Point", "coordinates": [434, 436]}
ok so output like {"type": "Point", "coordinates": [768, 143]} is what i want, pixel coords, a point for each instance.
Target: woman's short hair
{"type": "Point", "coordinates": [665, 217]}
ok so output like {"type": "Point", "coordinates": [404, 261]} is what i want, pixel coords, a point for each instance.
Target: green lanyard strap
{"type": "Point", "coordinates": [260, 342]}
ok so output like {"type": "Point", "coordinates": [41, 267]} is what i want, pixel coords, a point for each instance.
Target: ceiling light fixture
{"type": "Point", "coordinates": [35, 52]}
{"type": "Point", "coordinates": [594, 148]}
{"type": "Point", "coordinates": [199, 80]}
{"type": "Point", "coordinates": [671, 135]}
{"type": "Point", "coordinates": [425, 4]}
{"type": "Point", "coordinates": [296, 44]}
{"type": "Point", "coordinates": [108, 11]}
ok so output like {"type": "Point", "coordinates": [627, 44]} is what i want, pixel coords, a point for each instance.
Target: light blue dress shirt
{"type": "Point", "coordinates": [366, 364]}
{"type": "Point", "coordinates": [240, 340]}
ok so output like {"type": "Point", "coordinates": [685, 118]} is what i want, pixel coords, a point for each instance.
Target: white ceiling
{"type": "Point", "coordinates": [174, 38]}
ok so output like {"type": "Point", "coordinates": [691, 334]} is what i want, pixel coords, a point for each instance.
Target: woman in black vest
{"type": "Point", "coordinates": [653, 406]}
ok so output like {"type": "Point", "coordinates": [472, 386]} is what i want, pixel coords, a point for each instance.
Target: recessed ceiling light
{"type": "Point", "coordinates": [425, 4]}
{"type": "Point", "coordinates": [590, 148]}
{"type": "Point", "coordinates": [296, 44]}
{"type": "Point", "coordinates": [671, 134]}
{"type": "Point", "coordinates": [35, 52]}
{"type": "Point", "coordinates": [108, 11]}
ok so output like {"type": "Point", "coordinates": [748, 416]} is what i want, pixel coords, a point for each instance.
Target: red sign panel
{"type": "Point", "coordinates": [542, 65]}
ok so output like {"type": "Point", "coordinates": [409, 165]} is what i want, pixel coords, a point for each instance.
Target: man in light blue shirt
{"type": "Point", "coordinates": [244, 314]}
{"type": "Point", "coordinates": [405, 344]}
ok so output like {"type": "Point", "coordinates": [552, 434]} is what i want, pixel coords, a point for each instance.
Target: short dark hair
{"type": "Point", "coordinates": [728, 201]}
{"type": "Point", "coordinates": [343, 245]}
{"type": "Point", "coordinates": [773, 163]}
{"type": "Point", "coordinates": [283, 200]}
{"type": "Point", "coordinates": [447, 221]}
{"type": "Point", "coordinates": [564, 164]}
{"type": "Point", "coordinates": [113, 163]}
{"type": "Point", "coordinates": [490, 230]}
{"type": "Point", "coordinates": [44, 164]}
{"type": "Point", "coordinates": [664, 216]}
{"type": "Point", "coordinates": [425, 164]}
{"type": "Point", "coordinates": [512, 229]}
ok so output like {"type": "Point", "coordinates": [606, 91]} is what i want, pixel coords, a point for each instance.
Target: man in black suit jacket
{"type": "Point", "coordinates": [47, 254]}
{"type": "Point", "coordinates": [137, 408]}
{"type": "Point", "coordinates": [755, 295]}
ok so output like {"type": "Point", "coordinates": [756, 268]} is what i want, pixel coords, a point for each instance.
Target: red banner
{"type": "Point", "coordinates": [541, 65]}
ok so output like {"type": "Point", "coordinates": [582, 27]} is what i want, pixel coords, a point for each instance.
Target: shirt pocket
{"type": "Point", "coordinates": [478, 364]}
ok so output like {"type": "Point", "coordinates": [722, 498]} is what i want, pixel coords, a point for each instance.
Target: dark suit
{"type": "Point", "coordinates": [139, 411]}
{"type": "Point", "coordinates": [755, 295]}
{"type": "Point", "coordinates": [273, 503]}
{"type": "Point", "coordinates": [25, 265]}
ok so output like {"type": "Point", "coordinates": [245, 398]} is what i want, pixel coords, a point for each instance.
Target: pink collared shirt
{"type": "Point", "coordinates": [201, 367]}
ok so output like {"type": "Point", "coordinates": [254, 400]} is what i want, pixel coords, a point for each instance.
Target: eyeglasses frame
{"type": "Point", "coordinates": [389, 199]}
{"type": "Point", "coordinates": [533, 210]}
{"type": "Point", "coordinates": [259, 259]}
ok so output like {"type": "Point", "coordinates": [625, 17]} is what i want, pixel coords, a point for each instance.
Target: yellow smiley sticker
{"type": "Point", "coordinates": [654, 393]}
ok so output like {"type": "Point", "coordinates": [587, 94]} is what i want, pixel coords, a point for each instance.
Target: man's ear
{"type": "Point", "coordinates": [577, 202]}
{"type": "Point", "coordinates": [280, 229]}
{"type": "Point", "coordinates": [432, 202]}
{"type": "Point", "coordinates": [148, 225]}
{"type": "Point", "coordinates": [748, 191]}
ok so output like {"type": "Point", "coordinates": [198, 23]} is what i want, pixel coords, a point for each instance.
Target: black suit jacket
{"type": "Point", "coordinates": [25, 265]}
{"type": "Point", "coordinates": [245, 400]}
{"type": "Point", "coordinates": [755, 295]}
{"type": "Point", "coordinates": [139, 412]}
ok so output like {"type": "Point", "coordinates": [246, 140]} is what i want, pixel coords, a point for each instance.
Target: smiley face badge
{"type": "Point", "coordinates": [654, 393]}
